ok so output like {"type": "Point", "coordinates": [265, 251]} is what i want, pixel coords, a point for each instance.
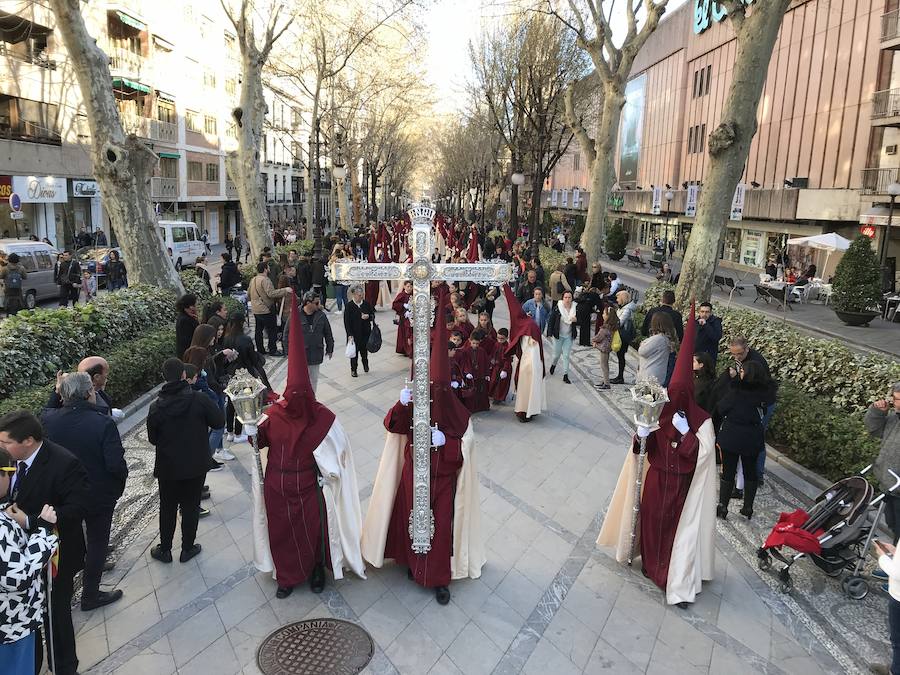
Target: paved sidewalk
{"type": "Point", "coordinates": [548, 602]}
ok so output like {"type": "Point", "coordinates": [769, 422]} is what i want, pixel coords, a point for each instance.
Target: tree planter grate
{"type": "Point", "coordinates": [316, 647]}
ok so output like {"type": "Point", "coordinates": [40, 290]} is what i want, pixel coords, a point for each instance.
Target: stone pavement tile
{"type": "Point", "coordinates": [473, 652]}
{"type": "Point", "coordinates": [163, 573]}
{"type": "Point", "coordinates": [686, 642]}
{"type": "Point", "coordinates": [156, 659]}
{"type": "Point", "coordinates": [547, 659]}
{"type": "Point", "coordinates": [218, 566]}
{"type": "Point", "coordinates": [320, 611]}
{"type": "Point", "coordinates": [469, 595]}
{"type": "Point", "coordinates": [667, 661]}
{"type": "Point", "coordinates": [359, 594]}
{"type": "Point", "coordinates": [241, 601]}
{"type": "Point", "coordinates": [537, 568]}
{"type": "Point", "coordinates": [239, 527]}
{"type": "Point", "coordinates": [737, 592]}
{"type": "Point", "coordinates": [724, 661]}
{"type": "Point", "coordinates": [508, 543]}
{"type": "Point", "coordinates": [445, 666]}
{"type": "Point", "coordinates": [214, 541]}
{"type": "Point", "coordinates": [137, 585]}
{"type": "Point", "coordinates": [414, 652]}
{"type": "Point", "coordinates": [218, 658]}
{"type": "Point", "coordinates": [499, 621]}
{"type": "Point", "coordinates": [246, 637]}
{"type": "Point", "coordinates": [92, 647]}
{"type": "Point", "coordinates": [607, 583]}
{"type": "Point", "coordinates": [443, 623]}
{"type": "Point", "coordinates": [413, 596]}
{"type": "Point", "coordinates": [294, 607]}
{"type": "Point", "coordinates": [707, 605]}
{"type": "Point", "coordinates": [735, 622]}
{"type": "Point", "coordinates": [571, 637]}
{"type": "Point", "coordinates": [630, 638]}
{"type": "Point", "coordinates": [195, 635]}
{"type": "Point", "coordinates": [180, 591]}
{"type": "Point", "coordinates": [132, 621]}
{"type": "Point", "coordinates": [571, 518]}
{"type": "Point", "coordinates": [520, 592]}
{"type": "Point", "coordinates": [589, 606]}
{"type": "Point", "coordinates": [607, 659]}
{"type": "Point", "coordinates": [553, 547]}
{"type": "Point", "coordinates": [646, 611]}
{"type": "Point", "coordinates": [386, 618]}
{"type": "Point", "coordinates": [496, 568]}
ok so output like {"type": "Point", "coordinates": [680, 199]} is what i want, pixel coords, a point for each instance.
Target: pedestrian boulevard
{"type": "Point", "coordinates": [548, 601]}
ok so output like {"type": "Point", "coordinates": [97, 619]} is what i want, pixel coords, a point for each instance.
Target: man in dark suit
{"type": "Point", "coordinates": [358, 318]}
{"type": "Point", "coordinates": [47, 473]}
{"type": "Point", "coordinates": [91, 435]}
{"type": "Point", "coordinates": [98, 368]}
{"type": "Point", "coordinates": [668, 299]}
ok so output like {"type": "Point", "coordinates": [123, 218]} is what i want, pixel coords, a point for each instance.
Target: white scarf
{"type": "Point", "coordinates": [567, 315]}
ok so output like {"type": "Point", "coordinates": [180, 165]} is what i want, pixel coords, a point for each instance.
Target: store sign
{"type": "Point", "coordinates": [5, 187]}
{"type": "Point", "coordinates": [708, 12]}
{"type": "Point", "coordinates": [867, 231]}
{"type": "Point", "coordinates": [690, 207]}
{"type": "Point", "coordinates": [41, 189]}
{"type": "Point", "coordinates": [85, 188]}
{"type": "Point", "coordinates": [657, 201]}
{"type": "Point", "coordinates": [737, 202]}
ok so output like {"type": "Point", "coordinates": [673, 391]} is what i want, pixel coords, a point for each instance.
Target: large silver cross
{"type": "Point", "coordinates": [422, 272]}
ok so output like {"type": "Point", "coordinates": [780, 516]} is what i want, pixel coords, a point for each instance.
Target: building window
{"type": "Point", "coordinates": [265, 148]}
{"type": "Point", "coordinates": [168, 167]}
{"type": "Point", "coordinates": [195, 171]}
{"type": "Point", "coordinates": [708, 78]}
{"type": "Point", "coordinates": [231, 131]}
{"type": "Point", "coordinates": [165, 112]}
{"type": "Point", "coordinates": [295, 117]}
{"type": "Point", "coordinates": [212, 173]}
{"type": "Point", "coordinates": [231, 86]}
{"type": "Point", "coordinates": [26, 120]}
{"type": "Point", "coordinates": [696, 139]}
{"type": "Point", "coordinates": [192, 121]}
{"type": "Point", "coordinates": [210, 126]}
{"type": "Point", "coordinates": [209, 79]}
{"type": "Point", "coordinates": [702, 79]}
{"type": "Point", "coordinates": [576, 161]}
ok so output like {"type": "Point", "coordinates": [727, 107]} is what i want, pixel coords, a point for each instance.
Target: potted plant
{"type": "Point", "coordinates": [856, 289]}
{"type": "Point", "coordinates": [615, 241]}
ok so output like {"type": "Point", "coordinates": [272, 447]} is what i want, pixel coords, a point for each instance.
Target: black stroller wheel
{"type": "Point", "coordinates": [856, 587]}
{"type": "Point", "coordinates": [763, 560]}
{"type": "Point", "coordinates": [787, 584]}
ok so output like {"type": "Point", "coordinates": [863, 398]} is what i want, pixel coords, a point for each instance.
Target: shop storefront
{"type": "Point", "coordinates": [42, 198]}
{"type": "Point", "coordinates": [87, 209]}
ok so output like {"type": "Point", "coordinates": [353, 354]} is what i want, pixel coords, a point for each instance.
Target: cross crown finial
{"type": "Point", "coordinates": [421, 214]}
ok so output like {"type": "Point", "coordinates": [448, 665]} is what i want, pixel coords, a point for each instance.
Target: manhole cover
{"type": "Point", "coordinates": [316, 647]}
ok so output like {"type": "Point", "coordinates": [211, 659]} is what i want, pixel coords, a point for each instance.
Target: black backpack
{"type": "Point", "coordinates": [13, 280]}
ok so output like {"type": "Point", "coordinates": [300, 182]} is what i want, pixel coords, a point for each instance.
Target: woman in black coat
{"type": "Point", "coordinates": [587, 302]}
{"type": "Point", "coordinates": [358, 318]}
{"type": "Point", "coordinates": [186, 323]}
{"type": "Point", "coordinates": [742, 434]}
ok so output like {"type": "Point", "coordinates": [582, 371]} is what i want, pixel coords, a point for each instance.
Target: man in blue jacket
{"type": "Point", "coordinates": [538, 308]}
{"type": "Point", "coordinates": [92, 436]}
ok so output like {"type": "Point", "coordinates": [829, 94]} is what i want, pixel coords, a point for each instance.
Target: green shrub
{"type": "Point", "coordinates": [194, 284]}
{"type": "Point", "coordinates": [615, 241]}
{"type": "Point", "coordinates": [857, 278]}
{"type": "Point", "coordinates": [36, 344]}
{"type": "Point", "coordinates": [550, 259]}
{"type": "Point", "coordinates": [493, 234]}
{"type": "Point", "coordinates": [129, 377]}
{"type": "Point", "coordinates": [653, 295]}
{"type": "Point", "coordinates": [819, 436]}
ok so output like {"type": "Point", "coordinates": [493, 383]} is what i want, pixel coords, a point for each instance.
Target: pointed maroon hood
{"type": "Point", "coordinates": [681, 386]}
{"type": "Point", "coordinates": [520, 324]}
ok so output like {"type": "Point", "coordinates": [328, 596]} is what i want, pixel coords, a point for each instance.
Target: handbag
{"type": "Point", "coordinates": [616, 343]}
{"type": "Point", "coordinates": [350, 351]}
{"type": "Point", "coordinates": [374, 343]}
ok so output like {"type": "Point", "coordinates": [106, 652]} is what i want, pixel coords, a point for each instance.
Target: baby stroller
{"type": "Point", "coordinates": [836, 533]}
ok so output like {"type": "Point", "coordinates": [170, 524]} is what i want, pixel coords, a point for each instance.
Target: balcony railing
{"type": "Point", "coordinates": [21, 52]}
{"type": "Point", "coordinates": [876, 181]}
{"type": "Point", "coordinates": [163, 188]}
{"type": "Point", "coordinates": [758, 203]}
{"type": "Point", "coordinates": [890, 26]}
{"type": "Point", "coordinates": [31, 132]}
{"type": "Point", "coordinates": [886, 103]}
{"type": "Point", "coordinates": [146, 127]}
{"type": "Point", "coordinates": [124, 62]}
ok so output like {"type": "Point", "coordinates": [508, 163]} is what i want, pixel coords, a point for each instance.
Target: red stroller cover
{"type": "Point", "coordinates": [788, 532]}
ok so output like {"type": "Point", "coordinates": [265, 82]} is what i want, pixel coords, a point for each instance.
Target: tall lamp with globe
{"type": "Point", "coordinates": [887, 277]}
{"type": "Point", "coordinates": [517, 179]}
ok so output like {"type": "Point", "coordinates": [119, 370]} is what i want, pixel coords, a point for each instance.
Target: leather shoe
{"type": "Point", "coordinates": [552, 369]}
{"type": "Point", "coordinates": [566, 379]}
{"type": "Point", "coordinates": [353, 374]}
{"type": "Point", "coordinates": [317, 580]}
{"type": "Point", "coordinates": [283, 592]}
{"type": "Point", "coordinates": [109, 565]}
{"type": "Point", "coordinates": [365, 367]}
{"type": "Point", "coordinates": [617, 380]}
{"type": "Point", "coordinates": [101, 599]}
{"type": "Point", "coordinates": [442, 595]}
{"type": "Point", "coordinates": [188, 553]}
{"type": "Point", "coordinates": [161, 554]}
{"type": "Point", "coordinates": [204, 494]}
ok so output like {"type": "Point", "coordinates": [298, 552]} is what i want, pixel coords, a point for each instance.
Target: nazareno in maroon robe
{"type": "Point", "coordinates": [404, 329]}
{"type": "Point", "coordinates": [501, 362]}
{"type": "Point", "coordinates": [475, 362]}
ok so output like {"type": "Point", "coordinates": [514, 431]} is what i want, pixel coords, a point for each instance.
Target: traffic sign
{"type": "Point", "coordinates": [16, 215]}
{"type": "Point", "coordinates": [15, 202]}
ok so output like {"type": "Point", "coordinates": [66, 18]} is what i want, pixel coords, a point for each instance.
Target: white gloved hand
{"type": "Point", "coordinates": [642, 431]}
{"type": "Point", "coordinates": [250, 430]}
{"type": "Point", "coordinates": [117, 414]}
{"type": "Point", "coordinates": [405, 305]}
{"type": "Point", "coordinates": [468, 376]}
{"type": "Point", "coordinates": [406, 396]}
{"type": "Point", "coordinates": [437, 437]}
{"type": "Point", "coordinates": [454, 385]}
{"type": "Point", "coordinates": [503, 375]}
{"type": "Point", "coordinates": [407, 315]}
{"type": "Point", "coordinates": [679, 421]}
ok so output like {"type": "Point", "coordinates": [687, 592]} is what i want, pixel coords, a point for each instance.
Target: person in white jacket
{"type": "Point", "coordinates": [886, 555]}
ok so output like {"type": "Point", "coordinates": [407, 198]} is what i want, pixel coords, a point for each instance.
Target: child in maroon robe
{"type": "Point", "coordinates": [476, 368]}
{"type": "Point", "coordinates": [501, 368]}
{"type": "Point", "coordinates": [401, 306]}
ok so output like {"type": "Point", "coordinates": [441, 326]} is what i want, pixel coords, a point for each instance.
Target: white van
{"type": "Point", "coordinates": [182, 239]}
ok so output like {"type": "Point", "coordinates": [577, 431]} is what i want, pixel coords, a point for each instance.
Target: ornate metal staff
{"type": "Point", "coordinates": [247, 395]}
{"type": "Point", "coordinates": [649, 398]}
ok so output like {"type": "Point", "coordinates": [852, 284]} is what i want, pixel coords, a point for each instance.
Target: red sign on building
{"type": "Point", "coordinates": [5, 187]}
{"type": "Point", "coordinates": [867, 231]}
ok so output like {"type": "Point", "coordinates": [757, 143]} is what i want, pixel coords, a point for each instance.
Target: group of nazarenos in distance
{"type": "Point", "coordinates": [315, 520]}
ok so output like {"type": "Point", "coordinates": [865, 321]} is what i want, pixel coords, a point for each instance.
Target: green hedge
{"type": "Point", "coordinates": [36, 344]}
{"type": "Point", "coordinates": [129, 377]}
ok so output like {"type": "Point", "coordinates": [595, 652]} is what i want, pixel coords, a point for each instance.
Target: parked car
{"type": "Point", "coordinates": [39, 261]}
{"type": "Point", "coordinates": [95, 260]}
{"type": "Point", "coordinates": [182, 239]}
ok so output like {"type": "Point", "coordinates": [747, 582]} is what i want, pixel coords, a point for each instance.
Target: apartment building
{"type": "Point", "coordinates": [175, 75]}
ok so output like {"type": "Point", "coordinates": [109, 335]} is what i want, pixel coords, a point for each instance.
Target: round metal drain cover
{"type": "Point", "coordinates": [316, 647]}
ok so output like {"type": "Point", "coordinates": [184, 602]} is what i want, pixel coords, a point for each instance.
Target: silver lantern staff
{"type": "Point", "coordinates": [248, 397]}
{"type": "Point", "coordinates": [649, 398]}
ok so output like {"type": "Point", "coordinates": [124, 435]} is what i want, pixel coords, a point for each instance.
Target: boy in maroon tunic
{"type": "Point", "coordinates": [476, 370]}
{"type": "Point", "coordinates": [501, 368]}
{"type": "Point", "coordinates": [404, 328]}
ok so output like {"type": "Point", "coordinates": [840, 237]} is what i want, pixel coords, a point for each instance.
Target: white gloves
{"type": "Point", "coordinates": [468, 376]}
{"type": "Point", "coordinates": [117, 414]}
{"type": "Point", "coordinates": [642, 431]}
{"type": "Point", "coordinates": [503, 375]}
{"type": "Point", "coordinates": [679, 421]}
{"type": "Point", "coordinates": [406, 396]}
{"type": "Point", "coordinates": [437, 437]}
{"type": "Point", "coordinates": [407, 315]}
{"type": "Point", "coordinates": [405, 305]}
{"type": "Point", "coordinates": [250, 430]}
{"type": "Point", "coordinates": [454, 384]}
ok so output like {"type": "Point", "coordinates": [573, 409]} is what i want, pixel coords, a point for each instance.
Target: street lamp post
{"type": "Point", "coordinates": [473, 193]}
{"type": "Point", "coordinates": [669, 197]}
{"type": "Point", "coordinates": [887, 279]}
{"type": "Point", "coordinates": [518, 179]}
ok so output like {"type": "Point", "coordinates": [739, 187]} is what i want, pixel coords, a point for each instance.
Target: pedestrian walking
{"type": "Point", "coordinates": [116, 274]}
{"type": "Point", "coordinates": [13, 275]}
{"type": "Point", "coordinates": [238, 247]}
{"type": "Point", "coordinates": [317, 336]}
{"type": "Point", "coordinates": [68, 277]}
{"type": "Point", "coordinates": [604, 341]}
{"type": "Point", "coordinates": [358, 318]}
{"type": "Point", "coordinates": [264, 299]}
{"type": "Point", "coordinates": [563, 327]}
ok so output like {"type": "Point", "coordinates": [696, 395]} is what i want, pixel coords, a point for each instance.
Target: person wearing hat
{"type": "Point", "coordinates": [457, 547]}
{"type": "Point", "coordinates": [310, 488]}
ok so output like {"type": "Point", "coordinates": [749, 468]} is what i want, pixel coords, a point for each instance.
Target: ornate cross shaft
{"type": "Point", "coordinates": [422, 272]}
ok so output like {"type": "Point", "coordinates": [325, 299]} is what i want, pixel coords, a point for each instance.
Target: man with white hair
{"type": "Point", "coordinates": [98, 369]}
{"type": "Point", "coordinates": [90, 434]}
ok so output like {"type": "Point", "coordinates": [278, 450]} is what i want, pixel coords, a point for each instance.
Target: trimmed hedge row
{"type": "Point", "coordinates": [36, 344]}
{"type": "Point", "coordinates": [129, 377]}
